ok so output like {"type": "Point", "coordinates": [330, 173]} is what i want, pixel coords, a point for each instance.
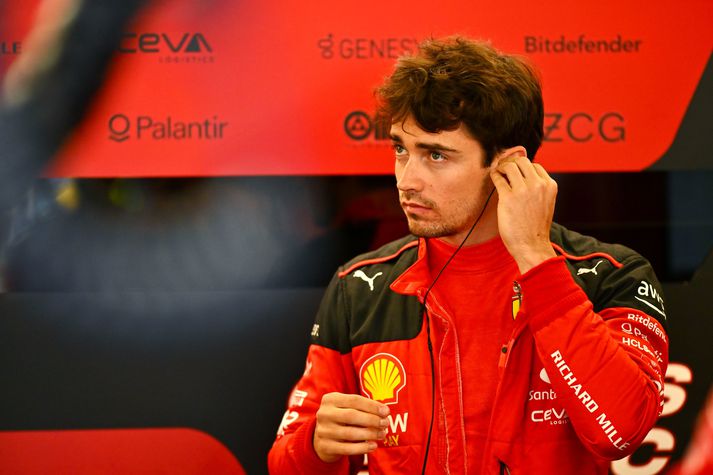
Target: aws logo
{"type": "Point", "coordinates": [648, 291]}
{"type": "Point", "coordinates": [382, 377]}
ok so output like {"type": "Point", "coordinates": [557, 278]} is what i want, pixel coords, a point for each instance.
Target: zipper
{"type": "Point", "coordinates": [450, 328]}
{"type": "Point", "coordinates": [505, 351]}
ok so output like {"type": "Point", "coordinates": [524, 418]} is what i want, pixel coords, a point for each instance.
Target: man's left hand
{"type": "Point", "coordinates": [526, 203]}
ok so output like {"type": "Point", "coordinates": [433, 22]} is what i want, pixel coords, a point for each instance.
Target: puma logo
{"type": "Point", "coordinates": [585, 270]}
{"type": "Point", "coordinates": [369, 280]}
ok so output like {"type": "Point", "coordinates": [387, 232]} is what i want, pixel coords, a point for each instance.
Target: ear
{"type": "Point", "coordinates": [517, 151]}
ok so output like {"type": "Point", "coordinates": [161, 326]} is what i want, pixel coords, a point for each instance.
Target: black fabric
{"type": "Point", "coordinates": [351, 314]}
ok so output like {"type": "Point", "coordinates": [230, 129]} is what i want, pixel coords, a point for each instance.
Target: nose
{"type": "Point", "coordinates": [408, 175]}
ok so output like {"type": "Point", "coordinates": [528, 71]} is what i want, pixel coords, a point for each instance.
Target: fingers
{"type": "Point", "coordinates": [519, 172]}
{"type": "Point", "coordinates": [345, 433]}
{"type": "Point", "coordinates": [527, 196]}
{"type": "Point", "coordinates": [526, 167]}
{"type": "Point", "coordinates": [509, 169]}
{"type": "Point", "coordinates": [352, 410]}
{"type": "Point", "coordinates": [516, 167]}
{"type": "Point", "coordinates": [501, 184]}
{"type": "Point", "coordinates": [354, 401]}
{"type": "Point", "coordinates": [541, 172]}
{"type": "Point", "coordinates": [348, 424]}
{"type": "Point", "coordinates": [354, 417]}
{"type": "Point", "coordinates": [339, 449]}
{"type": "Point", "coordinates": [549, 183]}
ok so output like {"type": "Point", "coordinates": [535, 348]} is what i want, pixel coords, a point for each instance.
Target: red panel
{"type": "Point", "coordinates": [167, 451]}
{"type": "Point", "coordinates": [15, 22]}
{"type": "Point", "coordinates": [284, 77]}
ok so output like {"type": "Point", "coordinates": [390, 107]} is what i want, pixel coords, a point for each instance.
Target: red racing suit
{"type": "Point", "coordinates": [580, 377]}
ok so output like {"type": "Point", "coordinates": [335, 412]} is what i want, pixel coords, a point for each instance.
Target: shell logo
{"type": "Point", "coordinates": [382, 377]}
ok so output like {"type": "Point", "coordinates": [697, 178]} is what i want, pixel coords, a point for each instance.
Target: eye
{"type": "Point", "coordinates": [437, 156]}
{"type": "Point", "coordinates": [398, 149]}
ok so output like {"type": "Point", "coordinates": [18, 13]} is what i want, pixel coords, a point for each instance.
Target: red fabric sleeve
{"type": "Point", "coordinates": [607, 367]}
{"type": "Point", "coordinates": [292, 452]}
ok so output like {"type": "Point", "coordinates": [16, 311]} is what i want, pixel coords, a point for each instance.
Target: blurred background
{"type": "Point", "coordinates": [180, 179]}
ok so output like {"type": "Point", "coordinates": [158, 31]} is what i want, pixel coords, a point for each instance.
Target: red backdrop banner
{"type": "Point", "coordinates": [266, 88]}
{"type": "Point", "coordinates": [115, 451]}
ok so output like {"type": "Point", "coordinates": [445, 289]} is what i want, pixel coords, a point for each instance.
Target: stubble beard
{"type": "Point", "coordinates": [427, 229]}
{"type": "Point", "coordinates": [439, 228]}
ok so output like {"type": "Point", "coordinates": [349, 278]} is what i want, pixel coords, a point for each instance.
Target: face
{"type": "Point", "coordinates": [442, 181]}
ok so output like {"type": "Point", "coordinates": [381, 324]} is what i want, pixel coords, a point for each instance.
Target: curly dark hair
{"type": "Point", "coordinates": [456, 80]}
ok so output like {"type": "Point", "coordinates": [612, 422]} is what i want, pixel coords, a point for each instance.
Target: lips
{"type": "Point", "coordinates": [410, 206]}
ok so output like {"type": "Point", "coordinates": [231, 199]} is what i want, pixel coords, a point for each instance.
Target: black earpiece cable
{"type": "Point", "coordinates": [428, 331]}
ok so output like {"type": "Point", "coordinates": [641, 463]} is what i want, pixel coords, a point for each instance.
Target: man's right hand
{"type": "Point", "coordinates": [348, 424]}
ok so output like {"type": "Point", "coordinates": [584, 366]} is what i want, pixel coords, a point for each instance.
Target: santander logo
{"type": "Point", "coordinates": [551, 414]}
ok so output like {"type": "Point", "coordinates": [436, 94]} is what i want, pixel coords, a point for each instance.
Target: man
{"type": "Point", "coordinates": [492, 340]}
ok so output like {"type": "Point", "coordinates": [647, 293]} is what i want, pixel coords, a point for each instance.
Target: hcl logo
{"type": "Point", "coordinates": [164, 43]}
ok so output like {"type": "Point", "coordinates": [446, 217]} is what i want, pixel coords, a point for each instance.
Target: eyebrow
{"type": "Point", "coordinates": [424, 145]}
